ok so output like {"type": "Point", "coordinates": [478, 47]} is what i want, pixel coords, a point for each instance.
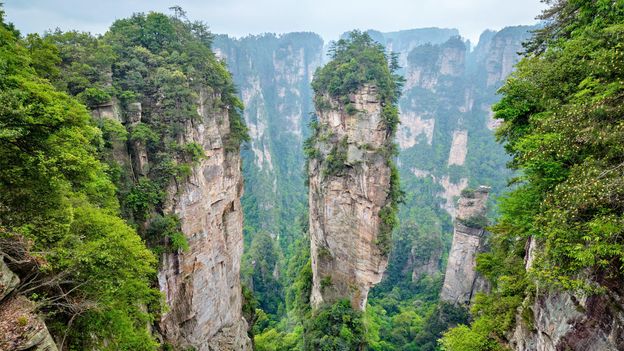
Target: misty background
{"type": "Point", "coordinates": [329, 18]}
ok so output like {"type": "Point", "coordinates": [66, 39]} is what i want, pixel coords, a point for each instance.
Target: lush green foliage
{"type": "Point", "coordinates": [333, 328]}
{"type": "Point", "coordinates": [167, 227]}
{"type": "Point", "coordinates": [92, 272]}
{"type": "Point", "coordinates": [284, 329]}
{"type": "Point", "coordinates": [356, 61]}
{"type": "Point", "coordinates": [165, 64]}
{"type": "Point", "coordinates": [477, 221]}
{"type": "Point", "coordinates": [561, 113]}
{"type": "Point", "coordinates": [562, 125]}
{"type": "Point", "coordinates": [58, 195]}
{"type": "Point", "coordinates": [335, 161]}
{"type": "Point", "coordinates": [260, 263]}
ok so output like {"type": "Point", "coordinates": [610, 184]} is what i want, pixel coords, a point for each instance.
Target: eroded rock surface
{"type": "Point", "coordinates": [564, 321]}
{"type": "Point", "coordinates": [21, 328]}
{"type": "Point", "coordinates": [428, 265]}
{"type": "Point", "coordinates": [461, 280]}
{"type": "Point", "coordinates": [344, 208]}
{"type": "Point", "coordinates": [459, 148]}
{"type": "Point", "coordinates": [202, 285]}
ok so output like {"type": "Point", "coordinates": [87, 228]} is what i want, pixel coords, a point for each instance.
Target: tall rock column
{"type": "Point", "coordinates": [352, 183]}
{"type": "Point", "coordinates": [461, 281]}
{"type": "Point", "coordinates": [202, 284]}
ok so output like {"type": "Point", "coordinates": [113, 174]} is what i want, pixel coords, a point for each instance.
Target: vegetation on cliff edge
{"type": "Point", "coordinates": [60, 229]}
{"type": "Point", "coordinates": [562, 112]}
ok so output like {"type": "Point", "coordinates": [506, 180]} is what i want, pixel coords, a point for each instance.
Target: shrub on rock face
{"type": "Point", "coordinates": [561, 113]}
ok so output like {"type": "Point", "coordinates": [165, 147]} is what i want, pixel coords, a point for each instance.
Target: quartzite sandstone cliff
{"type": "Point", "coordinates": [461, 281]}
{"type": "Point", "coordinates": [201, 285]}
{"type": "Point", "coordinates": [344, 207]}
{"type": "Point", "coordinates": [564, 320]}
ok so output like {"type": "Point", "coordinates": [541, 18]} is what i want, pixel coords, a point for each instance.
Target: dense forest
{"type": "Point", "coordinates": [121, 193]}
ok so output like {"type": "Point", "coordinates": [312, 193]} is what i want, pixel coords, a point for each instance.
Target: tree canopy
{"type": "Point", "coordinates": [59, 217]}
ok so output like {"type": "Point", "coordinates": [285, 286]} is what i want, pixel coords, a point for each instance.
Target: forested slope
{"type": "Point", "coordinates": [154, 165]}
{"type": "Point", "coordinates": [556, 259]}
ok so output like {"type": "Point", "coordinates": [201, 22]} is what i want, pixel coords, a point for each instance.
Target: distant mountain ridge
{"type": "Point", "coordinates": [446, 142]}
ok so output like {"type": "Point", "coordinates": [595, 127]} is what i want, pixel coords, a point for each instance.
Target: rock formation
{"type": "Point", "coordinates": [445, 109]}
{"type": "Point", "coordinates": [345, 204]}
{"type": "Point", "coordinates": [21, 328]}
{"type": "Point", "coordinates": [564, 321]}
{"type": "Point", "coordinates": [424, 265]}
{"type": "Point", "coordinates": [461, 280]}
{"type": "Point", "coordinates": [446, 95]}
{"type": "Point", "coordinates": [202, 285]}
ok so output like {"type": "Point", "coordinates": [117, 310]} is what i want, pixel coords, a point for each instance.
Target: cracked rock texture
{"type": "Point", "coordinates": [202, 285]}
{"type": "Point", "coordinates": [564, 321]}
{"type": "Point", "coordinates": [344, 208]}
{"type": "Point", "coordinates": [21, 328]}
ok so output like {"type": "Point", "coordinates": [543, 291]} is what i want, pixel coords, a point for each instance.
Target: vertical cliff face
{"type": "Point", "coordinates": [426, 263]}
{"type": "Point", "coordinates": [502, 55]}
{"type": "Point", "coordinates": [345, 203]}
{"type": "Point", "coordinates": [445, 137]}
{"type": "Point", "coordinates": [181, 180]}
{"type": "Point", "coordinates": [202, 284]}
{"type": "Point", "coordinates": [461, 281]}
{"type": "Point", "coordinates": [565, 321]}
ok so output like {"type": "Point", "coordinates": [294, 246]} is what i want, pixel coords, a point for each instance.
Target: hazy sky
{"type": "Point", "coordinates": [329, 18]}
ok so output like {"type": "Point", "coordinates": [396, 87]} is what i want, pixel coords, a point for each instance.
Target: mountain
{"type": "Point", "coordinates": [445, 140]}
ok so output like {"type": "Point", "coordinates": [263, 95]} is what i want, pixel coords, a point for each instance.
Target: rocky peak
{"type": "Point", "coordinates": [461, 281]}
{"type": "Point", "coordinates": [345, 204]}
{"type": "Point", "coordinates": [202, 284]}
{"type": "Point", "coordinates": [427, 63]}
{"type": "Point", "coordinates": [497, 52]}
{"type": "Point", "coordinates": [472, 203]}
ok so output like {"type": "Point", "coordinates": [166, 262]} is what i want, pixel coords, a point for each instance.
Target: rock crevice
{"type": "Point", "coordinates": [345, 203]}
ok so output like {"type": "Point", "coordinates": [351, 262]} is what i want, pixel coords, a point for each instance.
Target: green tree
{"type": "Point", "coordinates": [92, 273]}
{"type": "Point", "coordinates": [562, 126]}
